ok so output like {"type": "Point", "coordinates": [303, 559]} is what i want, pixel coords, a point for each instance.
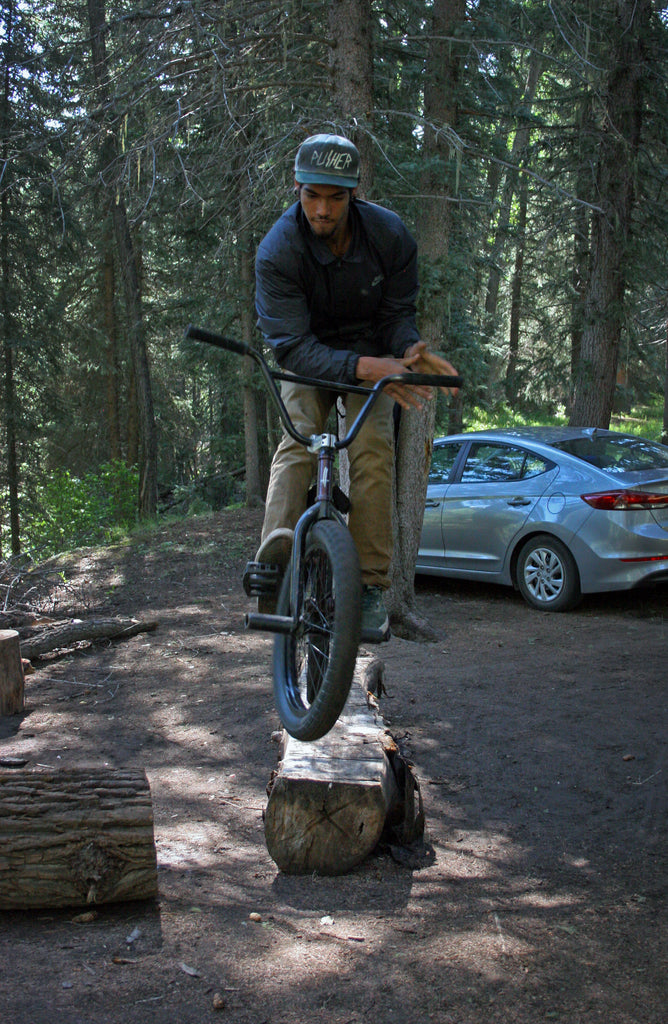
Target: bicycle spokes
{"type": "Point", "coordinates": [313, 641]}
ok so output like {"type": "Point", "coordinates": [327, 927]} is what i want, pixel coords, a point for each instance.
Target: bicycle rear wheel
{"type": "Point", "coordinates": [313, 667]}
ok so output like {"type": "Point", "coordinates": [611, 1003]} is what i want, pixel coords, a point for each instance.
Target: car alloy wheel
{"type": "Point", "coordinates": [547, 575]}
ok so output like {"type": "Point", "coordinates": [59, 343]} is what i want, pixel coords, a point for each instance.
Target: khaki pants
{"type": "Point", "coordinates": [370, 456]}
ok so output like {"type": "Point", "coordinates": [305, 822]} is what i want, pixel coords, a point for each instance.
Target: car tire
{"type": "Point", "coordinates": [547, 575]}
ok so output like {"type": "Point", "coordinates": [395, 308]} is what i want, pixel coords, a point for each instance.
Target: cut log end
{"type": "Point", "coordinates": [328, 828]}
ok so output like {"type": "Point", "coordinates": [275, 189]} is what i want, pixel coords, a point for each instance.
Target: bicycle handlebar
{"type": "Point", "coordinates": [231, 344]}
{"type": "Point", "coordinates": [436, 380]}
{"type": "Point", "coordinates": [242, 349]}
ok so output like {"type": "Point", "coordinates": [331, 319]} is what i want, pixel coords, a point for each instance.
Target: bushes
{"type": "Point", "coordinates": [68, 512]}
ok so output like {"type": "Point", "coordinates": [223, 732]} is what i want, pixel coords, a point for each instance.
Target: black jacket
{"type": "Point", "coordinates": [320, 313]}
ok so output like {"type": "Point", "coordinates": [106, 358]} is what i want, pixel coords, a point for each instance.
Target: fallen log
{"type": "Point", "coordinates": [35, 642]}
{"type": "Point", "coordinates": [11, 673]}
{"type": "Point", "coordinates": [16, 618]}
{"type": "Point", "coordinates": [75, 837]}
{"type": "Point", "coordinates": [331, 800]}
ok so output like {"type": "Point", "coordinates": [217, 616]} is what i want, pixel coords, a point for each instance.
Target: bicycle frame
{"type": "Point", "coordinates": [324, 445]}
{"type": "Point", "coordinates": [322, 508]}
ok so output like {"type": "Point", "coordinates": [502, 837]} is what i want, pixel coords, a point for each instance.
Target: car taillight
{"type": "Point", "coordinates": [623, 501]}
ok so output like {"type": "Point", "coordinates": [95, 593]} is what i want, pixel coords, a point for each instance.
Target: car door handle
{"type": "Point", "coordinates": [432, 503]}
{"type": "Point", "coordinates": [518, 502]}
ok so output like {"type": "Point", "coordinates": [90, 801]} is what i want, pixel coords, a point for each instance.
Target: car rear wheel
{"type": "Point", "coordinates": [547, 575]}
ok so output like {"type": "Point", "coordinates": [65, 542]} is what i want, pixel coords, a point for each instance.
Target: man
{"type": "Point", "coordinates": [336, 284]}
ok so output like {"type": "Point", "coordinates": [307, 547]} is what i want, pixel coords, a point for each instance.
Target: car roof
{"type": "Point", "coordinates": [542, 435]}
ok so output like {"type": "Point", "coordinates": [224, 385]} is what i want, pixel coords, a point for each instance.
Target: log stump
{"type": "Point", "coordinates": [329, 801]}
{"type": "Point", "coordinates": [75, 837]}
{"type": "Point", "coordinates": [11, 673]}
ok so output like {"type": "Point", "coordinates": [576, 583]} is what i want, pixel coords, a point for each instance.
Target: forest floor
{"type": "Point", "coordinates": [539, 742]}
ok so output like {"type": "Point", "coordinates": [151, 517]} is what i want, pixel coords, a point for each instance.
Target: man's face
{"type": "Point", "coordinates": [326, 208]}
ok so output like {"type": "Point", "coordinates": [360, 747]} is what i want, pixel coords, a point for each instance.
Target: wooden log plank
{"type": "Point", "coordinates": [330, 799]}
{"type": "Point", "coordinates": [75, 837]}
{"type": "Point", "coordinates": [35, 642]}
{"type": "Point", "coordinates": [12, 684]}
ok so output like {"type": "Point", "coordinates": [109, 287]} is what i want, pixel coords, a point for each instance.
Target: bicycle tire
{"type": "Point", "coordinates": [313, 667]}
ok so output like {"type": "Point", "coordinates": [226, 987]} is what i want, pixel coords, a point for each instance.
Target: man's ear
{"type": "Point", "coordinates": [297, 188]}
{"type": "Point", "coordinates": [353, 193]}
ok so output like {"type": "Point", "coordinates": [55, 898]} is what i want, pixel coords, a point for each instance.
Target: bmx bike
{"type": "Point", "coordinates": [318, 611]}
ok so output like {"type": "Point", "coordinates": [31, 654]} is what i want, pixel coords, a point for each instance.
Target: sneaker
{"type": "Point", "coordinates": [375, 621]}
{"type": "Point", "coordinates": [274, 550]}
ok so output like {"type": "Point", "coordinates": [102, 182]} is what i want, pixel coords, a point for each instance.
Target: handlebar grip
{"type": "Point", "coordinates": [199, 334]}
{"type": "Point", "coordinates": [437, 380]}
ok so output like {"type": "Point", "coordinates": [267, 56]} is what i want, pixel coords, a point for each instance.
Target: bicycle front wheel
{"type": "Point", "coordinates": [313, 666]}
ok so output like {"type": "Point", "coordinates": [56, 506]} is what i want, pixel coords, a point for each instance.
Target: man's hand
{"type": "Point", "coordinates": [415, 358]}
{"type": "Point", "coordinates": [374, 368]}
{"type": "Point", "coordinates": [430, 362]}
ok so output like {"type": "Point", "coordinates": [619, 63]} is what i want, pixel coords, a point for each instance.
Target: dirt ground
{"type": "Point", "coordinates": [540, 745]}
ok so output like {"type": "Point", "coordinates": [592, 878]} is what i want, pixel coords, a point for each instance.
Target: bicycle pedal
{"type": "Point", "coordinates": [260, 578]}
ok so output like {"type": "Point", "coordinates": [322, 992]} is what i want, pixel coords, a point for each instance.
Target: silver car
{"type": "Point", "coordinates": [554, 511]}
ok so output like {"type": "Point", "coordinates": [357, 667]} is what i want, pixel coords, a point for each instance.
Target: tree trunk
{"type": "Point", "coordinates": [254, 494]}
{"type": "Point", "coordinates": [7, 304]}
{"type": "Point", "coordinates": [148, 466]}
{"type": "Point", "coordinates": [416, 430]}
{"type": "Point", "coordinates": [581, 243]}
{"type": "Point", "coordinates": [109, 320]}
{"type": "Point", "coordinates": [132, 450]}
{"type": "Point", "coordinates": [10, 435]}
{"type": "Point", "coordinates": [129, 266]}
{"type": "Point", "coordinates": [516, 297]}
{"type": "Point", "coordinates": [413, 458]}
{"type": "Point", "coordinates": [515, 157]}
{"type": "Point", "coordinates": [351, 65]}
{"type": "Point", "coordinates": [75, 837]}
{"type": "Point", "coordinates": [579, 283]}
{"type": "Point", "coordinates": [611, 222]}
{"type": "Point", "coordinates": [665, 393]}
{"type": "Point", "coordinates": [456, 414]}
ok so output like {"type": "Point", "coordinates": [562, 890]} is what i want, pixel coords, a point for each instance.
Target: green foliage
{"type": "Point", "coordinates": [209, 102]}
{"type": "Point", "coordinates": [69, 511]}
{"type": "Point", "coordinates": [643, 420]}
{"type": "Point", "coordinates": [501, 417]}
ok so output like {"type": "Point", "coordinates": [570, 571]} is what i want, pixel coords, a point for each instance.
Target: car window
{"type": "Point", "coordinates": [534, 465]}
{"type": "Point", "coordinates": [488, 462]}
{"type": "Point", "coordinates": [625, 454]}
{"type": "Point", "coordinates": [442, 461]}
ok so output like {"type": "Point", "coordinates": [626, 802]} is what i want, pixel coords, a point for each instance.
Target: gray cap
{"type": "Point", "coordinates": [328, 160]}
